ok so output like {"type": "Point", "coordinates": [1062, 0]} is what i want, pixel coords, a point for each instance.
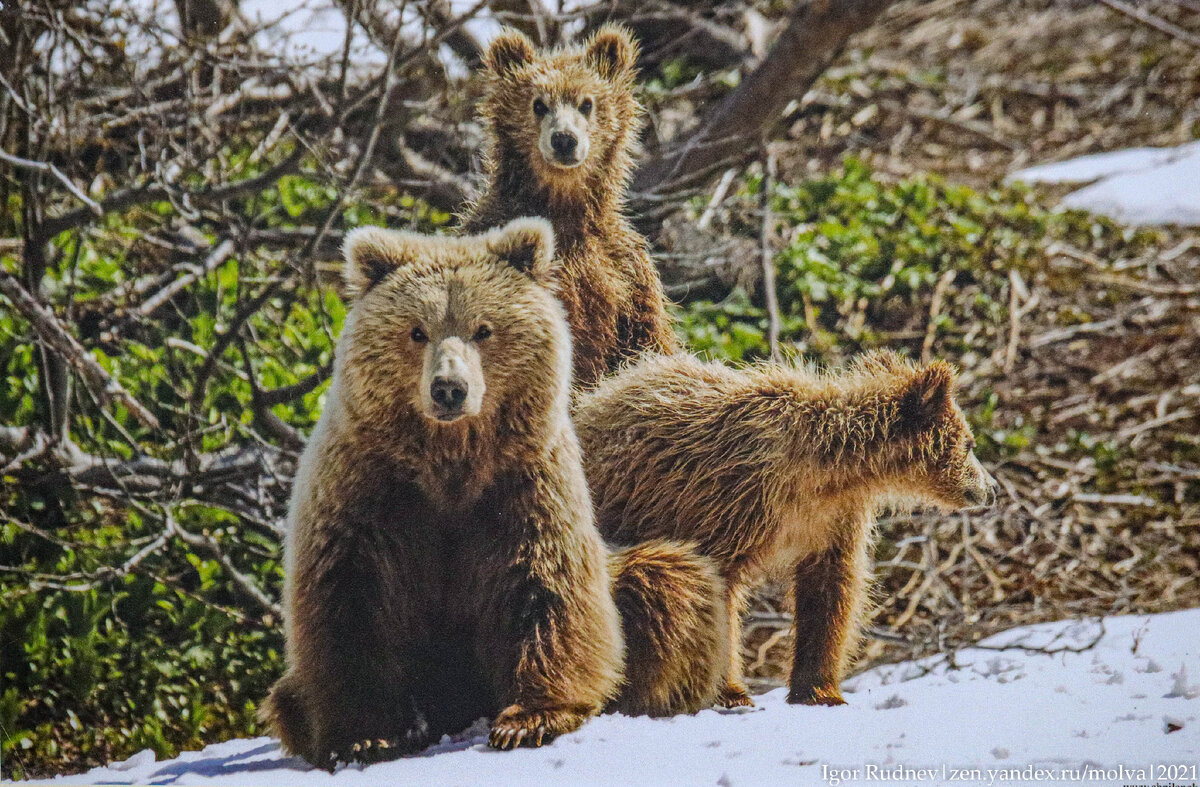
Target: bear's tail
{"type": "Point", "coordinates": [676, 626]}
{"type": "Point", "coordinates": [285, 714]}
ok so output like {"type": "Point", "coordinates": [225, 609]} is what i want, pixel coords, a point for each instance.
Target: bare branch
{"type": "Point", "coordinates": [41, 166]}
{"type": "Point", "coordinates": [815, 36]}
{"type": "Point", "coordinates": [53, 334]}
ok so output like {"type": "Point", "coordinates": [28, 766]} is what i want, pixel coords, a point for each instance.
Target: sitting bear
{"type": "Point", "coordinates": [442, 563]}
{"type": "Point", "coordinates": [774, 469]}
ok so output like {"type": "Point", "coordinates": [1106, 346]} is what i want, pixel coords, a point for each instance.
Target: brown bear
{"type": "Point", "coordinates": [562, 128]}
{"type": "Point", "coordinates": [774, 469]}
{"type": "Point", "coordinates": [442, 563]}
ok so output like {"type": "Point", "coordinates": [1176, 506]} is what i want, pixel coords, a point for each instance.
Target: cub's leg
{"type": "Point", "coordinates": [549, 628]}
{"type": "Point", "coordinates": [733, 693]}
{"type": "Point", "coordinates": [673, 614]}
{"type": "Point", "coordinates": [830, 596]}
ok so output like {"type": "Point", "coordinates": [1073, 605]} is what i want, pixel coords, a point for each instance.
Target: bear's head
{"type": "Point", "coordinates": [453, 329]}
{"type": "Point", "coordinates": [568, 115]}
{"type": "Point", "coordinates": [909, 413]}
{"type": "Point", "coordinates": [938, 462]}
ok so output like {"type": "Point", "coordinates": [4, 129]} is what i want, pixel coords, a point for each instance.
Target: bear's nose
{"type": "Point", "coordinates": [449, 392]}
{"type": "Point", "coordinates": [563, 143]}
{"type": "Point", "coordinates": [984, 495]}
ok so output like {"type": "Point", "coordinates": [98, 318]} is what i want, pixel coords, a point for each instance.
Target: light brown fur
{"type": "Point", "coordinates": [443, 570]}
{"type": "Point", "coordinates": [773, 469]}
{"type": "Point", "coordinates": [608, 283]}
{"type": "Point", "coordinates": [676, 627]}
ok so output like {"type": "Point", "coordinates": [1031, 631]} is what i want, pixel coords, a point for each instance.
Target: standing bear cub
{"type": "Point", "coordinates": [778, 470]}
{"type": "Point", "coordinates": [562, 128]}
{"type": "Point", "coordinates": [442, 564]}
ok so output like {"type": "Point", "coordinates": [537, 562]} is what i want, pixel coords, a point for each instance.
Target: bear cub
{"type": "Point", "coordinates": [442, 563]}
{"type": "Point", "coordinates": [562, 128]}
{"type": "Point", "coordinates": [779, 470]}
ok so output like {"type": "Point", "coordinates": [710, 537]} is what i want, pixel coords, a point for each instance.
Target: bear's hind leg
{"type": "Point", "coordinates": [287, 718]}
{"type": "Point", "coordinates": [673, 613]}
{"type": "Point", "coordinates": [733, 693]}
{"type": "Point", "coordinates": [830, 593]}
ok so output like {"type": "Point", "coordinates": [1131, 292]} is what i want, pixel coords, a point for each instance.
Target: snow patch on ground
{"type": "Point", "coordinates": [1139, 186]}
{"type": "Point", "coordinates": [1122, 693]}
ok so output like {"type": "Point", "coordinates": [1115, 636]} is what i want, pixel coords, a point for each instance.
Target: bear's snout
{"type": "Point", "coordinates": [453, 383]}
{"type": "Point", "coordinates": [984, 490]}
{"type": "Point", "coordinates": [563, 143]}
{"type": "Point", "coordinates": [449, 393]}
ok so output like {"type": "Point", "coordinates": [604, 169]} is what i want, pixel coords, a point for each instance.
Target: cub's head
{"type": "Point", "coordinates": [569, 113]}
{"type": "Point", "coordinates": [938, 462]}
{"type": "Point", "coordinates": [452, 328]}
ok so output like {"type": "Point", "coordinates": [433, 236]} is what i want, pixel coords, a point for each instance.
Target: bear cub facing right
{"type": "Point", "coordinates": [773, 470]}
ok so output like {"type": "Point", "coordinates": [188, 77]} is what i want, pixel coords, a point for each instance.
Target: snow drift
{"type": "Point", "coordinates": [1139, 186]}
{"type": "Point", "coordinates": [1112, 701]}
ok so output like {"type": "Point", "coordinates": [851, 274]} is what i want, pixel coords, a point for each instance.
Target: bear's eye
{"type": "Point", "coordinates": [418, 335]}
{"type": "Point", "coordinates": [483, 332]}
{"type": "Point", "coordinates": [585, 107]}
{"type": "Point", "coordinates": [539, 108]}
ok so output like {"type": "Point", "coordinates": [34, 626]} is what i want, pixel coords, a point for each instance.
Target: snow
{"type": "Point", "coordinates": [1120, 696]}
{"type": "Point", "coordinates": [300, 32]}
{"type": "Point", "coordinates": [1139, 186]}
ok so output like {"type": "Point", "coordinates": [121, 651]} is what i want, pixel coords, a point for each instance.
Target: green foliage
{"type": "Point", "coordinates": [863, 256]}
{"type": "Point", "coordinates": [97, 664]}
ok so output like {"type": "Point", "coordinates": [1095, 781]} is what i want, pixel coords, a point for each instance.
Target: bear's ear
{"type": "Point", "coordinates": [526, 244]}
{"type": "Point", "coordinates": [371, 254]}
{"type": "Point", "coordinates": [613, 51]}
{"type": "Point", "coordinates": [511, 49]}
{"type": "Point", "coordinates": [926, 397]}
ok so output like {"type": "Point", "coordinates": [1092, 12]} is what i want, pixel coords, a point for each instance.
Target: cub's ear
{"type": "Point", "coordinates": [613, 51]}
{"type": "Point", "coordinates": [526, 244]}
{"type": "Point", "coordinates": [511, 49]}
{"type": "Point", "coordinates": [926, 396]}
{"type": "Point", "coordinates": [371, 254]}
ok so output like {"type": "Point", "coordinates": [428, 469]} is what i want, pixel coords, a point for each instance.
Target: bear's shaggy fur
{"type": "Point", "coordinates": [581, 97]}
{"type": "Point", "coordinates": [441, 560]}
{"type": "Point", "coordinates": [676, 626]}
{"type": "Point", "coordinates": [777, 469]}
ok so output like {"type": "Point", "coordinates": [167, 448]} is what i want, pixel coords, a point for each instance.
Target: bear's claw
{"type": "Point", "coordinates": [372, 750]}
{"type": "Point", "coordinates": [366, 752]}
{"type": "Point", "coordinates": [816, 695]}
{"type": "Point", "coordinates": [733, 695]}
{"type": "Point", "coordinates": [516, 726]}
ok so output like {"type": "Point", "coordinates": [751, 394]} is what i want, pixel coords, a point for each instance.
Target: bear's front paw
{"type": "Point", "coordinates": [516, 726]}
{"type": "Point", "coordinates": [815, 695]}
{"type": "Point", "coordinates": [372, 750]}
{"type": "Point", "coordinates": [734, 695]}
{"type": "Point", "coordinates": [366, 752]}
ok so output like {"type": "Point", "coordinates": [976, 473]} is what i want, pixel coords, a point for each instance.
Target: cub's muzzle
{"type": "Point", "coordinates": [563, 144]}
{"type": "Point", "coordinates": [985, 490]}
